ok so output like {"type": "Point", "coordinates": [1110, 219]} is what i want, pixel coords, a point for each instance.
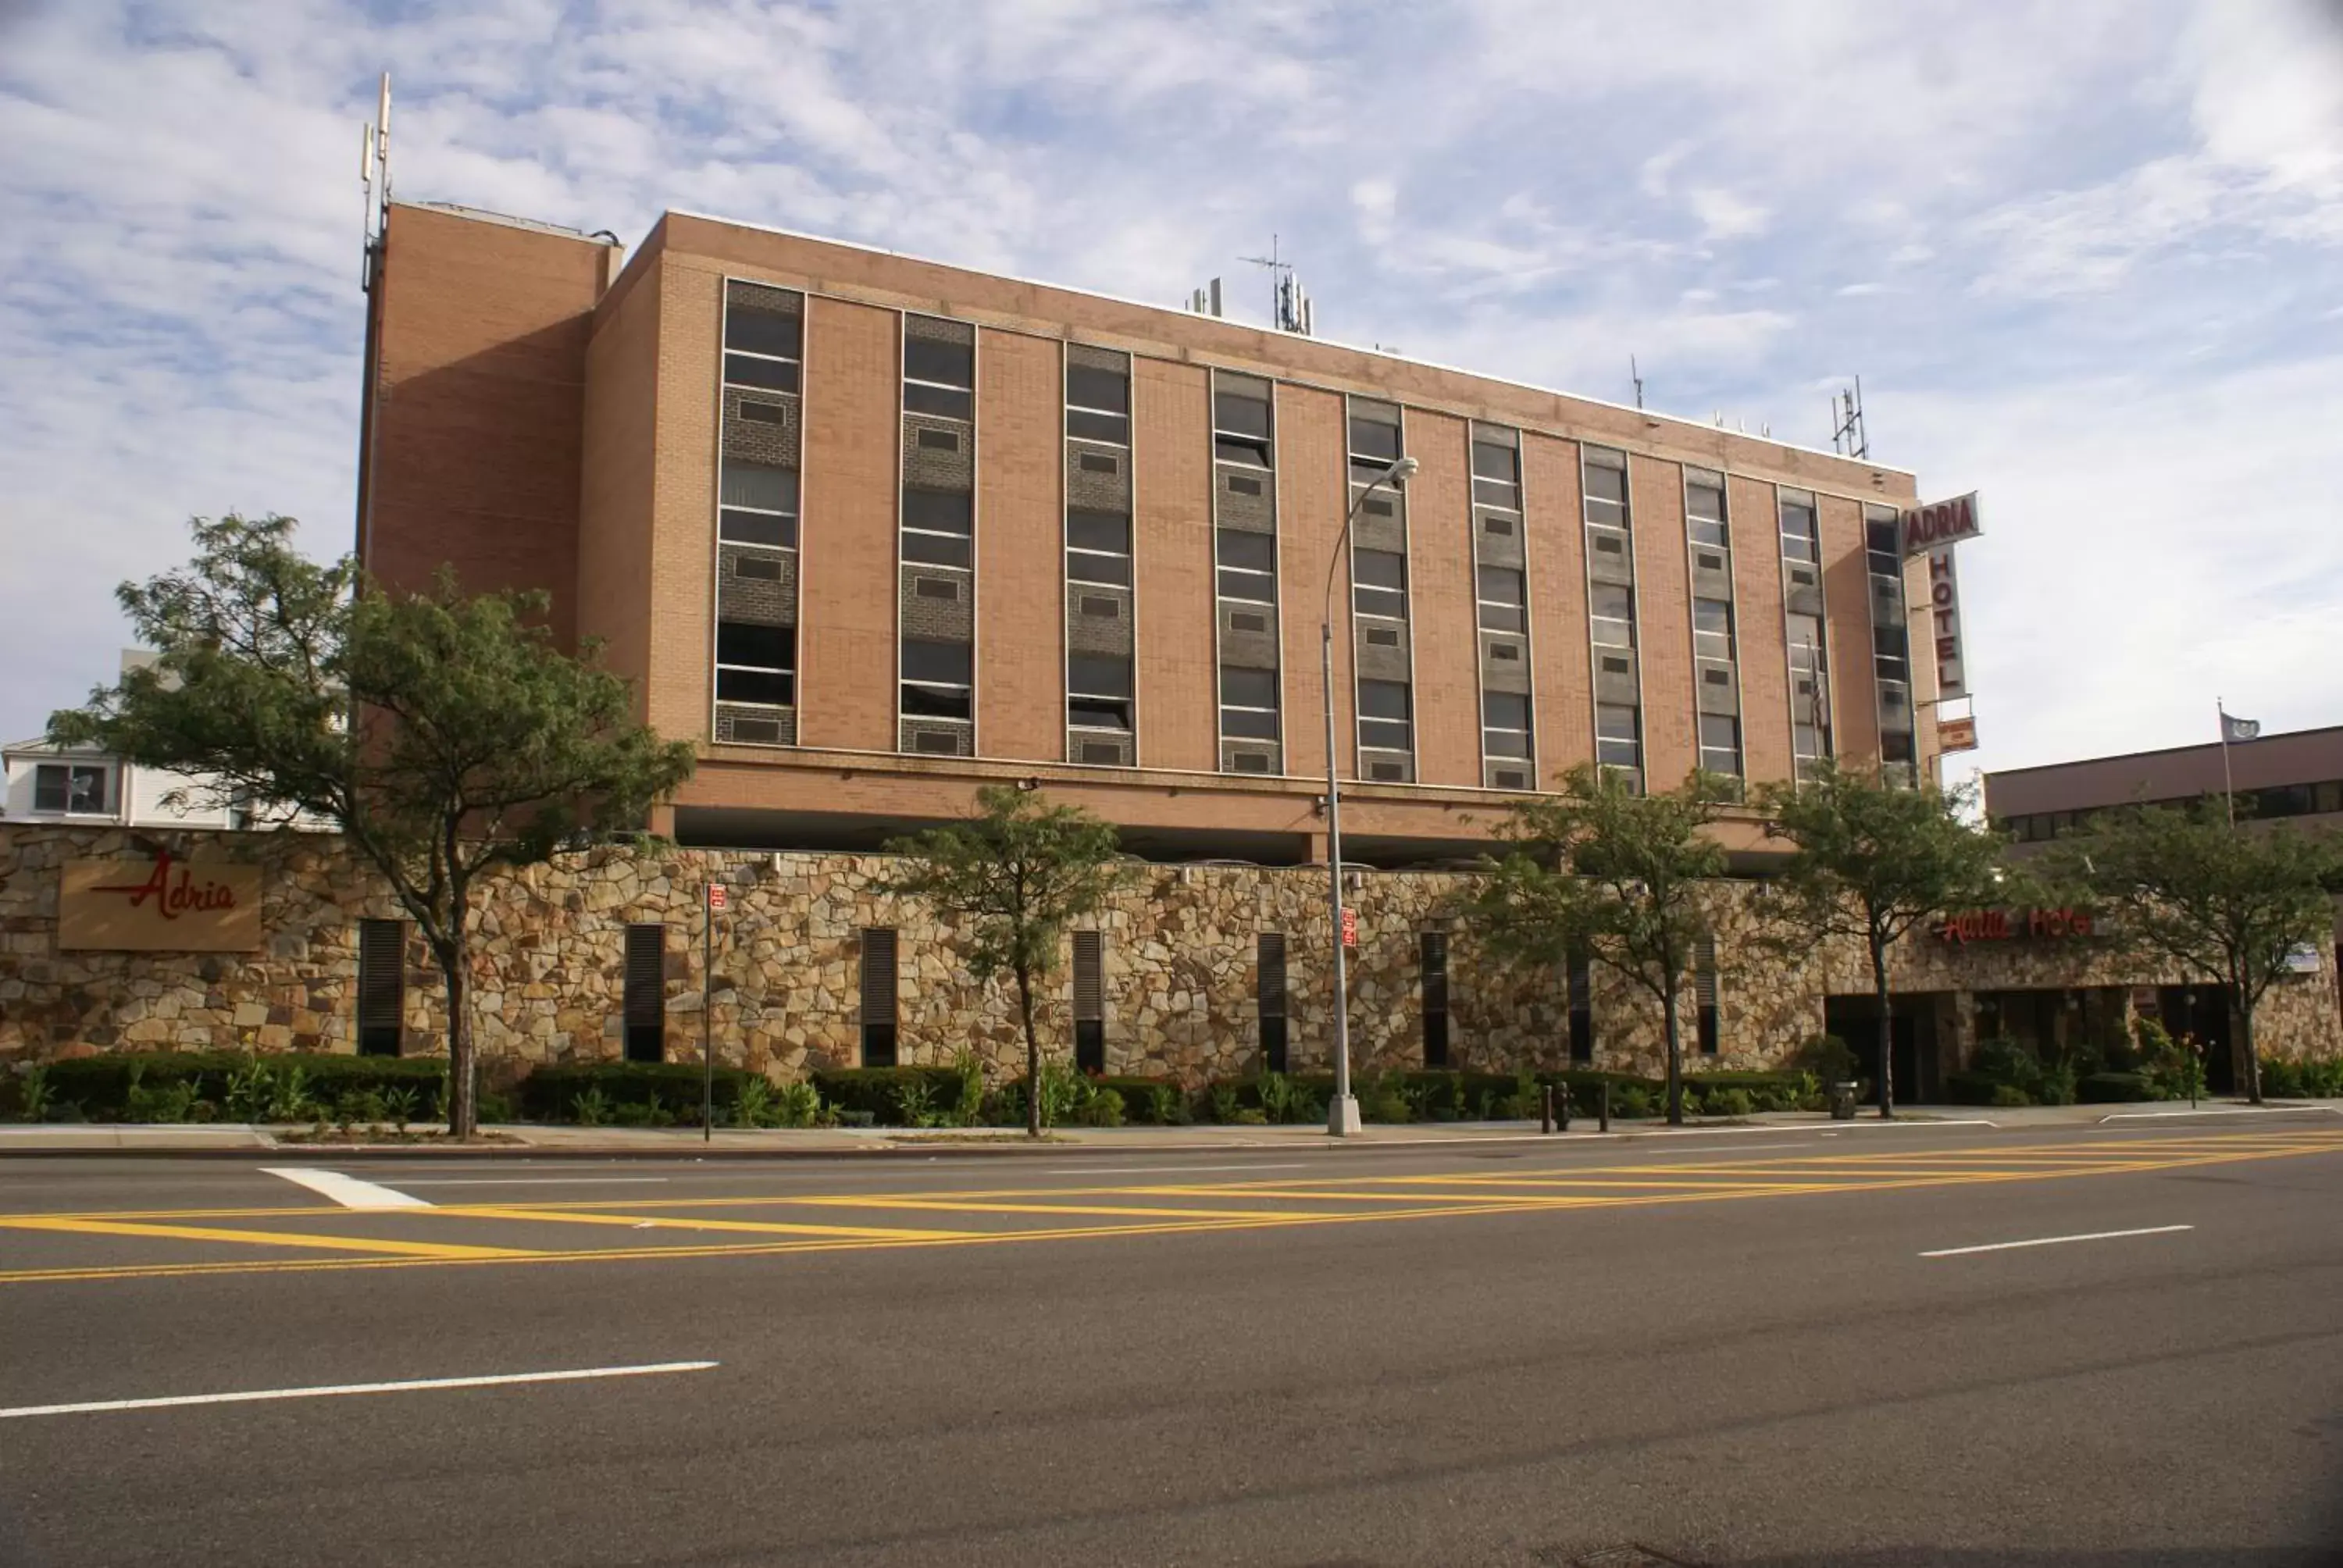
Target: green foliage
{"type": "Point", "coordinates": [1384, 1099]}
{"type": "Point", "coordinates": [399, 1103]}
{"type": "Point", "coordinates": [2009, 1094]}
{"type": "Point", "coordinates": [1166, 1106]}
{"type": "Point", "coordinates": [1013, 878]}
{"type": "Point", "coordinates": [876, 1089]}
{"type": "Point", "coordinates": [449, 737]}
{"type": "Point", "coordinates": [967, 1110]}
{"type": "Point", "coordinates": [2185, 889]}
{"type": "Point", "coordinates": [590, 1108]}
{"type": "Point", "coordinates": [551, 1092]}
{"type": "Point", "coordinates": [1620, 876]}
{"type": "Point", "coordinates": [206, 1084]}
{"type": "Point", "coordinates": [1631, 1103]}
{"type": "Point", "coordinates": [753, 1103]}
{"type": "Point", "coordinates": [1728, 1102]}
{"type": "Point", "coordinates": [915, 1098]}
{"type": "Point", "coordinates": [2114, 1088]}
{"type": "Point", "coordinates": [2295, 1078]}
{"type": "Point", "coordinates": [2171, 1069]}
{"type": "Point", "coordinates": [1222, 1097]}
{"type": "Point", "coordinates": [1155, 1100]}
{"type": "Point", "coordinates": [1870, 860]}
{"type": "Point", "coordinates": [799, 1104]}
{"type": "Point", "coordinates": [36, 1094]}
{"type": "Point", "coordinates": [1828, 1057]}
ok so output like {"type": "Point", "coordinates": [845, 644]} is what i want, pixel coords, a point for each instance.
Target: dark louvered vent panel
{"type": "Point", "coordinates": [1089, 989]}
{"type": "Point", "coordinates": [382, 985]}
{"type": "Point", "coordinates": [646, 974]}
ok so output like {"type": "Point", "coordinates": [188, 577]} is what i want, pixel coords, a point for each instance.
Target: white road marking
{"type": "Point", "coordinates": [347, 1190]}
{"type": "Point", "coordinates": [2056, 1240]}
{"type": "Point", "coordinates": [418, 1386]}
{"type": "Point", "coordinates": [527, 1180]}
{"type": "Point", "coordinates": [2222, 1110]}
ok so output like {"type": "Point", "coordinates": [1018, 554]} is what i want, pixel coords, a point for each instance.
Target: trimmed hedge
{"type": "Point", "coordinates": [2113, 1087]}
{"type": "Point", "coordinates": [100, 1085]}
{"type": "Point", "coordinates": [1138, 1093]}
{"type": "Point", "coordinates": [550, 1093]}
{"type": "Point", "coordinates": [878, 1090]}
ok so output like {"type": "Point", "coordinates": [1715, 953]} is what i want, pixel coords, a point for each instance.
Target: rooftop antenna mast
{"type": "Point", "coordinates": [1848, 439]}
{"type": "Point", "coordinates": [1635, 374]}
{"type": "Point", "coordinates": [1290, 308]}
{"type": "Point", "coordinates": [374, 179]}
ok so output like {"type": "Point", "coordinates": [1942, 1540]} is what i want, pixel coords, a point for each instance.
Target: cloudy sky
{"type": "Point", "coordinates": [2088, 258]}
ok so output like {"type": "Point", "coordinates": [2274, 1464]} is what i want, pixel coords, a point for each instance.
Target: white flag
{"type": "Point", "coordinates": [2234, 729]}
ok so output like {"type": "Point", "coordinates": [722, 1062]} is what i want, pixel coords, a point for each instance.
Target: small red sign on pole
{"type": "Point", "coordinates": [1350, 928]}
{"type": "Point", "coordinates": [715, 896]}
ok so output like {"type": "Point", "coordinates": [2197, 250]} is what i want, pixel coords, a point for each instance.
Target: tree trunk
{"type": "Point", "coordinates": [1675, 1059]}
{"type": "Point", "coordinates": [1032, 1054]}
{"type": "Point", "coordinates": [1886, 1030]}
{"type": "Point", "coordinates": [463, 1106]}
{"type": "Point", "coordinates": [2245, 1040]}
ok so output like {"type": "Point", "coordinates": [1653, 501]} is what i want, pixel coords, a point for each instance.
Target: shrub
{"type": "Point", "coordinates": [1977, 1089]}
{"type": "Point", "coordinates": [1584, 1085]}
{"type": "Point", "coordinates": [1143, 1097]}
{"type": "Point", "coordinates": [1729, 1103]}
{"type": "Point", "coordinates": [1222, 1100]}
{"type": "Point", "coordinates": [626, 1091]}
{"type": "Point", "coordinates": [102, 1085]}
{"type": "Point", "coordinates": [1166, 1106]}
{"type": "Point", "coordinates": [2009, 1094]}
{"type": "Point", "coordinates": [2111, 1088]}
{"type": "Point", "coordinates": [1828, 1057]}
{"type": "Point", "coordinates": [2281, 1079]}
{"type": "Point", "coordinates": [1631, 1103]}
{"type": "Point", "coordinates": [874, 1089]}
{"type": "Point", "coordinates": [799, 1104]}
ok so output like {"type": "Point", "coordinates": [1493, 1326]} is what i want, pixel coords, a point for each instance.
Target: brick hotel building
{"type": "Point", "coordinates": [874, 529]}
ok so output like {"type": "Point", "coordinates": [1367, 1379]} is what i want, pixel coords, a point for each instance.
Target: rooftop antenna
{"type": "Point", "coordinates": [1206, 301]}
{"type": "Point", "coordinates": [374, 180]}
{"type": "Point", "coordinates": [1635, 374]}
{"type": "Point", "coordinates": [1290, 305]}
{"type": "Point", "coordinates": [1848, 439]}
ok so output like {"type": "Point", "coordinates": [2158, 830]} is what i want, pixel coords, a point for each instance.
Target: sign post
{"type": "Point", "coordinates": [716, 901]}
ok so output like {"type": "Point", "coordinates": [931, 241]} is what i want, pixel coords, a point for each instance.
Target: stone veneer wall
{"type": "Point", "coordinates": [1179, 968]}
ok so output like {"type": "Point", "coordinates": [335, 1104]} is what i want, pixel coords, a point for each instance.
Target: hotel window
{"type": "Point", "coordinates": [1098, 691]}
{"type": "Point", "coordinates": [1618, 735]}
{"type": "Point", "coordinates": [1269, 998]}
{"type": "Point", "coordinates": [1810, 734]}
{"type": "Point", "coordinates": [1432, 963]}
{"type": "Point", "coordinates": [1098, 547]}
{"type": "Point", "coordinates": [1380, 578]}
{"type": "Point", "coordinates": [938, 377]}
{"type": "Point", "coordinates": [1504, 601]}
{"type": "Point", "coordinates": [1891, 645]}
{"type": "Point", "coordinates": [1613, 615]}
{"type": "Point", "coordinates": [1496, 476]}
{"type": "Point", "coordinates": [1801, 540]}
{"type": "Point", "coordinates": [757, 516]}
{"type": "Point", "coordinates": [644, 1006]}
{"type": "Point", "coordinates": [1098, 405]}
{"type": "Point", "coordinates": [1241, 421]}
{"type": "Point", "coordinates": [758, 504]}
{"type": "Point", "coordinates": [937, 527]}
{"type": "Point", "coordinates": [1581, 1005]}
{"type": "Point", "coordinates": [1711, 628]}
{"type": "Point", "coordinates": [936, 680]}
{"type": "Point", "coordinates": [382, 986]}
{"type": "Point", "coordinates": [1383, 716]}
{"type": "Point", "coordinates": [73, 789]}
{"type": "Point", "coordinates": [1090, 1002]}
{"type": "Point", "coordinates": [1605, 479]}
{"type": "Point", "coordinates": [761, 346]}
{"type": "Point", "coordinates": [756, 664]}
{"type": "Point", "coordinates": [1506, 724]}
{"type": "Point", "coordinates": [1249, 703]}
{"type": "Point", "coordinates": [1720, 743]}
{"type": "Point", "coordinates": [1248, 565]}
{"type": "Point", "coordinates": [878, 1044]}
{"type": "Point", "coordinates": [1705, 508]}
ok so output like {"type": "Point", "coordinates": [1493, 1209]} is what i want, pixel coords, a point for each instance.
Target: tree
{"type": "Point", "coordinates": [1618, 874]}
{"type": "Point", "coordinates": [1871, 861]}
{"type": "Point", "coordinates": [447, 736]}
{"type": "Point", "coordinates": [2227, 903]}
{"type": "Point", "coordinates": [1018, 871]}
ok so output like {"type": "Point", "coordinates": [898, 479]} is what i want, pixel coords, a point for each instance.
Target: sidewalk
{"type": "Point", "coordinates": [530, 1142]}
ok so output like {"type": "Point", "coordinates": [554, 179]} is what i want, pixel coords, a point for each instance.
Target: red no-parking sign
{"type": "Point", "coordinates": [1350, 928]}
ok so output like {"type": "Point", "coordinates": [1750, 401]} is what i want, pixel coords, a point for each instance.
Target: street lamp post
{"type": "Point", "coordinates": [1342, 1113]}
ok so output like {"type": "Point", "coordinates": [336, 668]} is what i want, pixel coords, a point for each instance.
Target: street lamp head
{"type": "Point", "coordinates": [1404, 470]}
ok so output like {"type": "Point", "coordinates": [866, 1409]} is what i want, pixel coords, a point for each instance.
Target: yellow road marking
{"type": "Point", "coordinates": [982, 1206]}
{"type": "Point", "coordinates": [263, 1237]}
{"type": "Point", "coordinates": [685, 1222]}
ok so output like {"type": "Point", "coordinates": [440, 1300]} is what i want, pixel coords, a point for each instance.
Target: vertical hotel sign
{"type": "Point", "coordinates": [1932, 531]}
{"type": "Point", "coordinates": [163, 904]}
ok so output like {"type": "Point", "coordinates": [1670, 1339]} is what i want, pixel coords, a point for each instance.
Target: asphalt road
{"type": "Point", "coordinates": [1723, 1349]}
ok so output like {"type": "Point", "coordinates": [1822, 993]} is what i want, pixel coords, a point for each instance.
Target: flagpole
{"type": "Point", "coordinates": [2228, 789]}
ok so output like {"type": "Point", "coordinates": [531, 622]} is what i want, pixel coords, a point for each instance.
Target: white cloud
{"type": "Point", "coordinates": [1724, 215]}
